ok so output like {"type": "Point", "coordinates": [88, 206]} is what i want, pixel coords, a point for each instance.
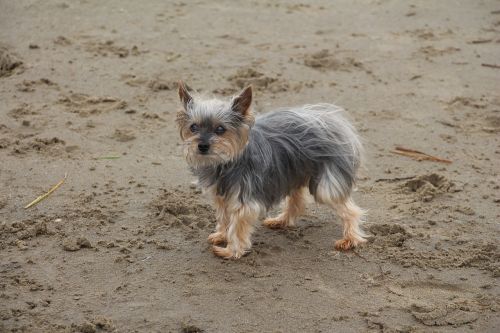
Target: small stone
{"type": "Point", "coordinates": [187, 328]}
{"type": "Point", "coordinates": [84, 242]}
{"type": "Point", "coordinates": [87, 328]}
{"type": "Point", "coordinates": [103, 323]}
{"type": "Point", "coordinates": [75, 244]}
{"type": "Point", "coordinates": [70, 244]}
{"type": "Point", "coordinates": [163, 246]}
{"type": "Point", "coordinates": [21, 245]}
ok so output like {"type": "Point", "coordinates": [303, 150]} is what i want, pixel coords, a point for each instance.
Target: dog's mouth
{"type": "Point", "coordinates": [202, 158]}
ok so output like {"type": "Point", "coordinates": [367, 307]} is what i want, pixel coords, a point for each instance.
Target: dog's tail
{"type": "Point", "coordinates": [338, 148]}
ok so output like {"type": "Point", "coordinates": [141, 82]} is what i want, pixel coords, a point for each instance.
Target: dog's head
{"type": "Point", "coordinates": [214, 131]}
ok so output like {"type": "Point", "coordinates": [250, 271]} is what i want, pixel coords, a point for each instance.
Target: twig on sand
{"type": "Point", "coordinates": [44, 196]}
{"type": "Point", "coordinates": [491, 66]}
{"type": "Point", "coordinates": [392, 180]}
{"type": "Point", "coordinates": [418, 155]}
{"type": "Point", "coordinates": [481, 41]}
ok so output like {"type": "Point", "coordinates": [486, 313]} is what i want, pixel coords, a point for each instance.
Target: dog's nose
{"type": "Point", "coordinates": [203, 148]}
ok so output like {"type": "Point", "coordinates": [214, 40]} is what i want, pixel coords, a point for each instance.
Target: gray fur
{"type": "Point", "coordinates": [312, 145]}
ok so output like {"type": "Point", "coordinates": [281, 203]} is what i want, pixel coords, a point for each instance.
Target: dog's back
{"type": "Point", "coordinates": [312, 146]}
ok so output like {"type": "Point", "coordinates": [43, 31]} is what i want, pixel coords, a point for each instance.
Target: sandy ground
{"type": "Point", "coordinates": [87, 88]}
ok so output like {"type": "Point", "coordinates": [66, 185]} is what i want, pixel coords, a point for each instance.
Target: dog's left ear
{"type": "Point", "coordinates": [242, 102]}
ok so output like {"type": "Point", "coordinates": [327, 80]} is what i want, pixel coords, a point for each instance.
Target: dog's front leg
{"type": "Point", "coordinates": [241, 224]}
{"type": "Point", "coordinates": [219, 236]}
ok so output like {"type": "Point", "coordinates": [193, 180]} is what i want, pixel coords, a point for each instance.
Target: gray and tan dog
{"type": "Point", "coordinates": [248, 165]}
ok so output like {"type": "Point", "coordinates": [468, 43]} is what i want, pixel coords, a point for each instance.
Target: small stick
{"type": "Point", "coordinates": [491, 66]}
{"type": "Point", "coordinates": [44, 196]}
{"type": "Point", "coordinates": [391, 180]}
{"type": "Point", "coordinates": [418, 155]}
{"type": "Point", "coordinates": [481, 41]}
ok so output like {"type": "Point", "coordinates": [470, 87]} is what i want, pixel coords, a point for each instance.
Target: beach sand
{"type": "Point", "coordinates": [88, 89]}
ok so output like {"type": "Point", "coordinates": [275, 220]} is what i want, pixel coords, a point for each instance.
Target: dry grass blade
{"type": "Point", "coordinates": [111, 157]}
{"type": "Point", "coordinates": [418, 155]}
{"type": "Point", "coordinates": [44, 196]}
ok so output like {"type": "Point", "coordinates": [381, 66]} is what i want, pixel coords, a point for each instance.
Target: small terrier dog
{"type": "Point", "coordinates": [250, 164]}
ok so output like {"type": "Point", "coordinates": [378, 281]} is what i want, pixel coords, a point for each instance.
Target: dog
{"type": "Point", "coordinates": [250, 164]}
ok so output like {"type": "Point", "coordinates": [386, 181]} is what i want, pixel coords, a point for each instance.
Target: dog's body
{"type": "Point", "coordinates": [251, 166]}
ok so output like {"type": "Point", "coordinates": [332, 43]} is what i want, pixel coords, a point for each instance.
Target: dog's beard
{"type": "Point", "coordinates": [212, 158]}
{"type": "Point", "coordinates": [221, 151]}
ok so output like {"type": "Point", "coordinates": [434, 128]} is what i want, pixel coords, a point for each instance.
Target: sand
{"type": "Point", "coordinates": [88, 88]}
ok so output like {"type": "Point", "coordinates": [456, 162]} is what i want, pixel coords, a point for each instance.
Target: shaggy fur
{"type": "Point", "coordinates": [251, 165]}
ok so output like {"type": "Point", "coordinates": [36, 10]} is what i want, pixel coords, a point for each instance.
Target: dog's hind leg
{"type": "Point", "coordinates": [293, 207]}
{"type": "Point", "coordinates": [331, 191]}
{"type": "Point", "coordinates": [351, 216]}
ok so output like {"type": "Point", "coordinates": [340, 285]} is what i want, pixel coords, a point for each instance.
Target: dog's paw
{"type": "Point", "coordinates": [344, 244]}
{"type": "Point", "coordinates": [276, 223]}
{"type": "Point", "coordinates": [227, 252]}
{"type": "Point", "coordinates": [217, 238]}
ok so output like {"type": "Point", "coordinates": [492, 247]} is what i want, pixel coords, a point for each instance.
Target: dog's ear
{"type": "Point", "coordinates": [184, 94]}
{"type": "Point", "coordinates": [242, 102]}
{"type": "Point", "coordinates": [182, 117]}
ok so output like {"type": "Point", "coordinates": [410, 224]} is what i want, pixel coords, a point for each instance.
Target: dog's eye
{"type": "Point", "coordinates": [194, 128]}
{"type": "Point", "coordinates": [220, 130]}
